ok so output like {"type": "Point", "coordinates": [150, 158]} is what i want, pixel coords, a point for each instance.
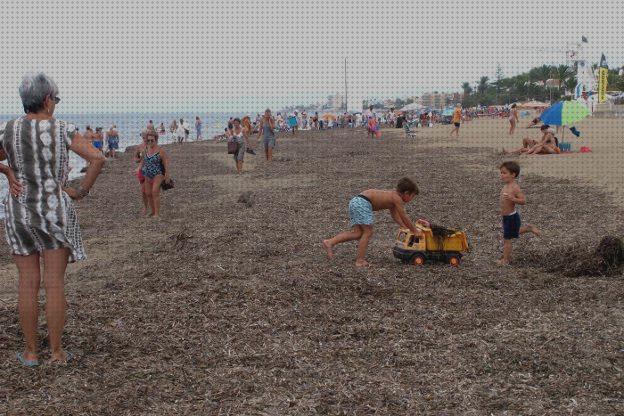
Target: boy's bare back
{"type": "Point", "coordinates": [381, 199]}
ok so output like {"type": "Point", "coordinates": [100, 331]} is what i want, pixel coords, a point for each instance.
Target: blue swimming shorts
{"type": "Point", "coordinates": [113, 143]}
{"type": "Point", "coordinates": [360, 211]}
{"type": "Point", "coordinates": [511, 226]}
{"type": "Point", "coordinates": [98, 144]}
{"type": "Point", "coordinates": [269, 142]}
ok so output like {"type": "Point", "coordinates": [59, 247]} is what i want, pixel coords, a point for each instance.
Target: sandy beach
{"type": "Point", "coordinates": [602, 167]}
{"type": "Point", "coordinates": [226, 308]}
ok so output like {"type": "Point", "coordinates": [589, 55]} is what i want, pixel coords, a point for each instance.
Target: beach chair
{"type": "Point", "coordinates": [410, 129]}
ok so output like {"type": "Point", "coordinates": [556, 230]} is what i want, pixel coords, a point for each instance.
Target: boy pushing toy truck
{"type": "Point", "coordinates": [361, 208]}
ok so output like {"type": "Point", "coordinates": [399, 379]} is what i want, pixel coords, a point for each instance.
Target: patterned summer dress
{"type": "Point", "coordinates": [42, 217]}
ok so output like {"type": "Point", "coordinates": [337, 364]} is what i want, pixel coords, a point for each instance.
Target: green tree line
{"type": "Point", "coordinates": [529, 85]}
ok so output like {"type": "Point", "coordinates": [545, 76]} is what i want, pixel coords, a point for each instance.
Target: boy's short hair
{"type": "Point", "coordinates": [511, 166]}
{"type": "Point", "coordinates": [406, 185]}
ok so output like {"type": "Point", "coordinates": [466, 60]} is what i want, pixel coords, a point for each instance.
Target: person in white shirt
{"type": "Point", "coordinates": [180, 132]}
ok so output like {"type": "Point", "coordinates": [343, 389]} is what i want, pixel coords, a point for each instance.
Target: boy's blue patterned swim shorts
{"type": "Point", "coordinates": [360, 211]}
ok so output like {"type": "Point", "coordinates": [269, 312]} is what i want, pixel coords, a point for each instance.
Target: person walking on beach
{"type": "Point", "coordinates": [198, 128]}
{"type": "Point", "coordinates": [248, 128]}
{"type": "Point", "coordinates": [90, 135]}
{"type": "Point", "coordinates": [181, 131]}
{"type": "Point", "coordinates": [373, 126]}
{"type": "Point", "coordinates": [457, 116]}
{"type": "Point", "coordinates": [361, 208]}
{"type": "Point", "coordinates": [267, 132]}
{"type": "Point", "coordinates": [156, 169]}
{"type": "Point", "coordinates": [112, 137]}
{"type": "Point", "coordinates": [293, 123]}
{"type": "Point", "coordinates": [40, 218]}
{"type": "Point", "coordinates": [513, 119]}
{"type": "Point", "coordinates": [241, 136]}
{"type": "Point", "coordinates": [173, 129]}
{"type": "Point", "coordinates": [98, 141]}
{"type": "Point", "coordinates": [510, 196]}
{"type": "Point", "coordinates": [187, 129]}
{"type": "Point", "coordinates": [138, 157]}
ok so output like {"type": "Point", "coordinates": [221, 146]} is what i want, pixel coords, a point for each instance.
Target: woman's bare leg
{"type": "Point", "coordinates": [156, 195]}
{"type": "Point", "coordinates": [54, 266]}
{"type": "Point", "coordinates": [28, 302]}
{"type": "Point", "coordinates": [147, 192]}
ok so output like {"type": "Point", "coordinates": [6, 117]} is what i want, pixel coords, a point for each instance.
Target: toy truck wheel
{"type": "Point", "coordinates": [418, 260]}
{"type": "Point", "coordinates": [454, 261]}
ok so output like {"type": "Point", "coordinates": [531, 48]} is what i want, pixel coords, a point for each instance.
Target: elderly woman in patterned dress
{"type": "Point", "coordinates": [40, 219]}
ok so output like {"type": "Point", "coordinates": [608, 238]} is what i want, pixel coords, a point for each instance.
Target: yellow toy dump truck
{"type": "Point", "coordinates": [438, 244]}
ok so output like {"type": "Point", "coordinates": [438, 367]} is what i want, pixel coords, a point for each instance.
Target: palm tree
{"type": "Point", "coordinates": [562, 73]}
{"type": "Point", "coordinates": [467, 89]}
{"type": "Point", "coordinates": [483, 84]}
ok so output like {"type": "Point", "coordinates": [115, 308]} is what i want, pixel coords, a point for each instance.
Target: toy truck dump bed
{"type": "Point", "coordinates": [443, 245]}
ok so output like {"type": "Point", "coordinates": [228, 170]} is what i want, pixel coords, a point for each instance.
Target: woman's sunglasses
{"type": "Point", "coordinates": [55, 99]}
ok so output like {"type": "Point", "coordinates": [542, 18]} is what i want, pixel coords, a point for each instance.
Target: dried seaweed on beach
{"type": "Point", "coordinates": [440, 231]}
{"type": "Point", "coordinates": [577, 260]}
{"type": "Point", "coordinates": [221, 309]}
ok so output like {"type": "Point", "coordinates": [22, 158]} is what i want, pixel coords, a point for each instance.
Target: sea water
{"type": "Point", "coordinates": [129, 126]}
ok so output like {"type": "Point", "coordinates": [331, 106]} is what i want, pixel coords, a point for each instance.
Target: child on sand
{"type": "Point", "coordinates": [511, 195]}
{"type": "Point", "coordinates": [361, 210]}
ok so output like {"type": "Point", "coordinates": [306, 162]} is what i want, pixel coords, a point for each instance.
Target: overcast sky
{"type": "Point", "coordinates": [246, 55]}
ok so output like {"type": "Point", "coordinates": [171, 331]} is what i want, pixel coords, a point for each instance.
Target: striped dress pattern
{"type": "Point", "coordinates": [43, 216]}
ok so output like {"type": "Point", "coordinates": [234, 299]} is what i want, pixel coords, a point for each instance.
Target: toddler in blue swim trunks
{"type": "Point", "coordinates": [511, 194]}
{"type": "Point", "coordinates": [361, 209]}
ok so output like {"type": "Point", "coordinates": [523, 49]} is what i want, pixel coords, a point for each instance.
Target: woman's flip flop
{"type": "Point", "coordinates": [25, 362]}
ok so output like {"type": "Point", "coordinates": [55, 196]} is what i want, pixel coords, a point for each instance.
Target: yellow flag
{"type": "Point", "coordinates": [603, 76]}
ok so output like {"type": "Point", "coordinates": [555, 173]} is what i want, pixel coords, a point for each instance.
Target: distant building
{"type": "Point", "coordinates": [335, 102]}
{"type": "Point", "coordinates": [439, 100]}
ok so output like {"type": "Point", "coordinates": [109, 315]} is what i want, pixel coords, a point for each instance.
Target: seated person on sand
{"type": "Point", "coordinates": [548, 144]}
{"type": "Point", "coordinates": [534, 123]}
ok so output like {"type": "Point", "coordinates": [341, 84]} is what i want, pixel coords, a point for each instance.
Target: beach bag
{"type": "Point", "coordinates": [232, 147]}
{"type": "Point", "coordinates": [167, 185]}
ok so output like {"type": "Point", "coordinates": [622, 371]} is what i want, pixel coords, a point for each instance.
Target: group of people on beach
{"type": "Point", "coordinates": [99, 139]}
{"type": "Point", "coordinates": [41, 220]}
{"type": "Point", "coordinates": [546, 145]}
{"type": "Point", "coordinates": [239, 133]}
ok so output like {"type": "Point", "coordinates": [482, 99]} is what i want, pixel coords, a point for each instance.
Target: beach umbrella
{"type": "Point", "coordinates": [564, 113]}
{"type": "Point", "coordinates": [328, 116]}
{"type": "Point", "coordinates": [448, 111]}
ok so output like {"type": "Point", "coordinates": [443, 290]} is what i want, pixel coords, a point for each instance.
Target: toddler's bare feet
{"type": "Point", "coordinates": [328, 248]}
{"type": "Point", "coordinates": [503, 262]}
{"type": "Point", "coordinates": [362, 263]}
{"type": "Point", "coordinates": [535, 230]}
{"type": "Point", "coordinates": [143, 212]}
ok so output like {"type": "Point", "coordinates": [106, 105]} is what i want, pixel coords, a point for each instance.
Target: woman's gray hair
{"type": "Point", "coordinates": [34, 89]}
